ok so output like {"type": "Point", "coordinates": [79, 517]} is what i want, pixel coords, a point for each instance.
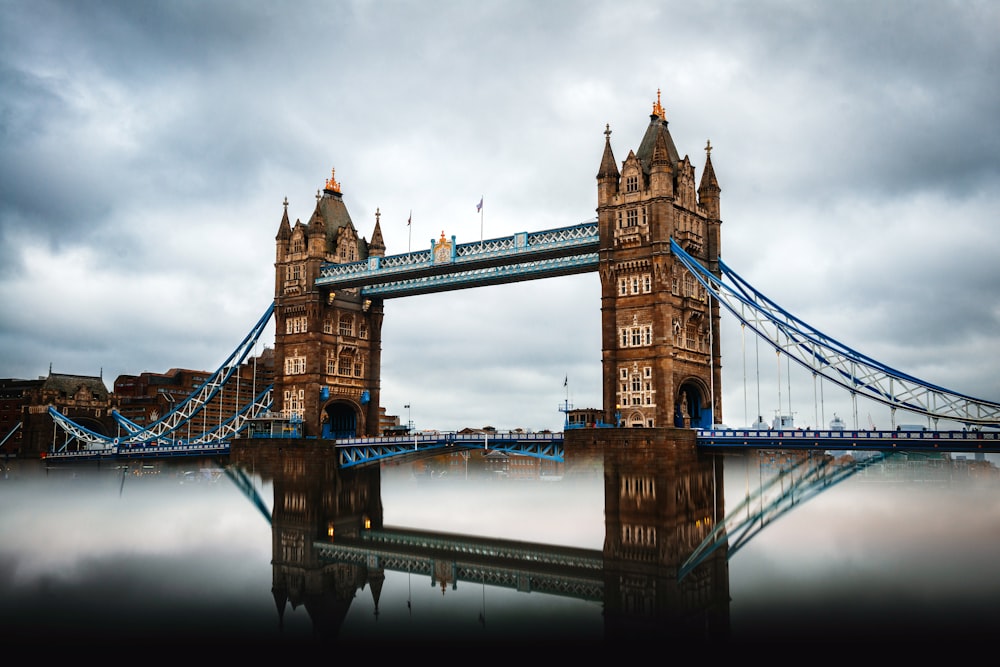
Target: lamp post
{"type": "Point", "coordinates": [618, 416]}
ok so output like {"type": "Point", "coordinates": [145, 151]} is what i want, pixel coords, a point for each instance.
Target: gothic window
{"type": "Point", "coordinates": [647, 283]}
{"type": "Point", "coordinates": [294, 401]}
{"type": "Point", "coordinates": [346, 326]}
{"type": "Point", "coordinates": [631, 217]}
{"type": "Point", "coordinates": [297, 244]}
{"type": "Point", "coordinates": [624, 337]}
{"type": "Point", "coordinates": [295, 365]}
{"type": "Point", "coordinates": [331, 365]}
{"type": "Point", "coordinates": [644, 211]}
{"type": "Point", "coordinates": [362, 329]}
{"type": "Point", "coordinates": [631, 183]}
{"type": "Point", "coordinates": [635, 285]}
{"type": "Point", "coordinates": [294, 272]}
{"type": "Point", "coordinates": [294, 325]}
{"type": "Point", "coordinates": [328, 326]}
{"type": "Point", "coordinates": [346, 364]}
{"type": "Point", "coordinates": [689, 285]}
{"type": "Point", "coordinates": [622, 286]}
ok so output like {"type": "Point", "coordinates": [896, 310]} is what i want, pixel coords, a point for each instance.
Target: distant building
{"type": "Point", "coordinates": [84, 399]}
{"type": "Point", "coordinates": [15, 396]}
{"type": "Point", "coordinates": [148, 397]}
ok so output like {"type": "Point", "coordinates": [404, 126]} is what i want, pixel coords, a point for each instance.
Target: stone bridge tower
{"type": "Point", "coordinates": [661, 354]}
{"type": "Point", "coordinates": [327, 344]}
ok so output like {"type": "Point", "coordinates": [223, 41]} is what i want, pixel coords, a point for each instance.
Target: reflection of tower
{"type": "Point", "coordinates": [661, 501]}
{"type": "Point", "coordinates": [314, 500]}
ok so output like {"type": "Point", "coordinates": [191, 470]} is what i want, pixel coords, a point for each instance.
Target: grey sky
{"type": "Point", "coordinates": [146, 148]}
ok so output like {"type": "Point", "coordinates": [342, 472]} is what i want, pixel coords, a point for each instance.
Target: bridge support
{"type": "Point", "coordinates": [327, 343]}
{"type": "Point", "coordinates": [661, 358]}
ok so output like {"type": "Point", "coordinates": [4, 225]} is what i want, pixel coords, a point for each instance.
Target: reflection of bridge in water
{"type": "Point", "coordinates": [329, 540]}
{"type": "Point", "coordinates": [446, 558]}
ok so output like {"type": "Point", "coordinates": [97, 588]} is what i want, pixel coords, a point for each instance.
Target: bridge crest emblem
{"type": "Point", "coordinates": [444, 250]}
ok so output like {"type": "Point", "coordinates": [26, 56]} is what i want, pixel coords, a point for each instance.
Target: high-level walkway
{"type": "Point", "coordinates": [522, 256]}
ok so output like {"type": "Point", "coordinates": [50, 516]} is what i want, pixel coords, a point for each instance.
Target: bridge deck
{"type": "Point", "coordinates": [357, 451]}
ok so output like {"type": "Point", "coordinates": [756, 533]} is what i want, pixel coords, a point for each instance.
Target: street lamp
{"type": "Point", "coordinates": [618, 416]}
{"type": "Point", "coordinates": [409, 422]}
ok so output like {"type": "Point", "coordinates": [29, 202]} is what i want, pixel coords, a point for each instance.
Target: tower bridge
{"type": "Point", "coordinates": [656, 245]}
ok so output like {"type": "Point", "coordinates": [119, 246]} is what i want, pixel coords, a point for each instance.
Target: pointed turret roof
{"type": "Point", "coordinates": [708, 180]}
{"type": "Point", "coordinates": [285, 228]}
{"type": "Point", "coordinates": [657, 139]}
{"type": "Point", "coordinates": [609, 168]}
{"type": "Point", "coordinates": [330, 204]}
{"type": "Point", "coordinates": [377, 245]}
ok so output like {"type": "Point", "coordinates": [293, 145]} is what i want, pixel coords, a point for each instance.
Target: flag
{"type": "Point", "coordinates": [410, 219]}
{"type": "Point", "coordinates": [566, 381]}
{"type": "Point", "coordinates": [479, 206]}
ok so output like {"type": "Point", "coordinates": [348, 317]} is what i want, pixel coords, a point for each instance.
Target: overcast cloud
{"type": "Point", "coordinates": [146, 149]}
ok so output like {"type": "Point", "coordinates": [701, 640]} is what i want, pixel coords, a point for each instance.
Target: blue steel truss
{"type": "Point", "coordinates": [832, 360]}
{"type": "Point", "coordinates": [522, 256]}
{"type": "Point", "coordinates": [360, 451]}
{"type": "Point", "coordinates": [790, 488]}
{"type": "Point", "coordinates": [167, 429]}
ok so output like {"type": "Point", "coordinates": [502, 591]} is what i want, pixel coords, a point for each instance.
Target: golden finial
{"type": "Point", "coordinates": [658, 108]}
{"type": "Point", "coordinates": [331, 183]}
{"type": "Point", "coordinates": [708, 147]}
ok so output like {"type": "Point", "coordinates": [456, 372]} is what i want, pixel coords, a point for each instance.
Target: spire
{"type": "Point", "coordinates": [285, 228]}
{"type": "Point", "coordinates": [708, 189]}
{"type": "Point", "coordinates": [317, 223]}
{"type": "Point", "coordinates": [377, 245]}
{"type": "Point", "coordinates": [609, 169]}
{"type": "Point", "coordinates": [658, 108]}
{"type": "Point", "coordinates": [661, 152]}
{"type": "Point", "coordinates": [709, 184]}
{"type": "Point", "coordinates": [332, 186]}
{"type": "Point", "coordinates": [655, 133]}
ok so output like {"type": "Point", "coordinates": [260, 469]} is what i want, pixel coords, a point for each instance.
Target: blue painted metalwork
{"type": "Point", "coordinates": [165, 430]}
{"type": "Point", "coordinates": [946, 441]}
{"type": "Point", "coordinates": [245, 484]}
{"type": "Point", "coordinates": [805, 479]}
{"type": "Point", "coordinates": [831, 360]}
{"type": "Point", "coordinates": [361, 451]}
{"type": "Point", "coordinates": [522, 256]}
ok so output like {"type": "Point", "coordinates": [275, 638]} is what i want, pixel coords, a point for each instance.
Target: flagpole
{"type": "Point", "coordinates": [409, 227]}
{"type": "Point", "coordinates": [480, 220]}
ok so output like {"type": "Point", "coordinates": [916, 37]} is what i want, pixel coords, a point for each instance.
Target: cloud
{"type": "Point", "coordinates": [147, 148]}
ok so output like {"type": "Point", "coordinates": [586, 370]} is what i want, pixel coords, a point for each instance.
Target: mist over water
{"type": "Point", "coordinates": [175, 550]}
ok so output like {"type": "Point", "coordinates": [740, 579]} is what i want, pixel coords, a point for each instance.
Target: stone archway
{"type": "Point", "coordinates": [692, 408]}
{"type": "Point", "coordinates": [341, 419]}
{"type": "Point", "coordinates": [634, 419]}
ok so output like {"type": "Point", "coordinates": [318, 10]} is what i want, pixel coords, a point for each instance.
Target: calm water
{"type": "Point", "coordinates": [224, 551]}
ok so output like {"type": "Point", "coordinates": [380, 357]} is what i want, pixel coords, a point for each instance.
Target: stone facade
{"type": "Point", "coordinates": [327, 344]}
{"type": "Point", "coordinates": [661, 362]}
